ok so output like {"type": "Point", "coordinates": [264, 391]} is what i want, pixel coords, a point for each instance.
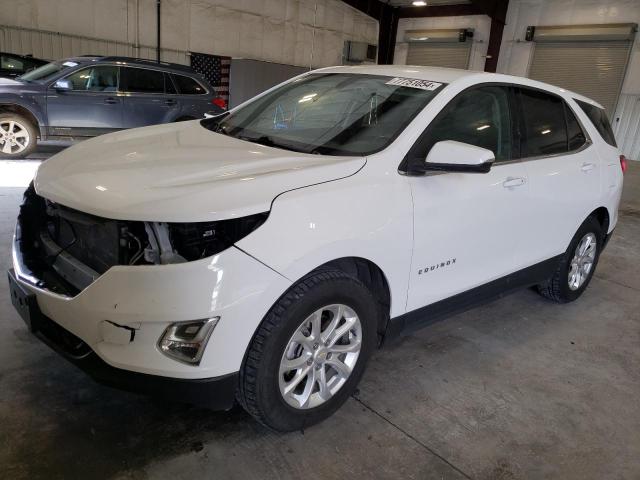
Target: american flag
{"type": "Point", "coordinates": [215, 69]}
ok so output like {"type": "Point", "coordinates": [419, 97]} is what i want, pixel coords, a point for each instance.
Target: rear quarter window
{"type": "Point", "coordinates": [188, 86]}
{"type": "Point", "coordinates": [599, 119]}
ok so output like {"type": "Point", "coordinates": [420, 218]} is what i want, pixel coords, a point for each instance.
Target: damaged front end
{"type": "Point", "coordinates": [64, 250]}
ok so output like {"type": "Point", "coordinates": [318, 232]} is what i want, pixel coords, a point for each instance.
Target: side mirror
{"type": "Point", "coordinates": [63, 85]}
{"type": "Point", "coordinates": [452, 156]}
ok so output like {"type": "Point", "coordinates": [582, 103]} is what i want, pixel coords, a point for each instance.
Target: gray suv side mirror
{"type": "Point", "coordinates": [63, 85]}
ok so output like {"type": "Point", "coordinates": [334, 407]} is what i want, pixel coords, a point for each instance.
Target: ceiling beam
{"type": "Point", "coordinates": [440, 11]}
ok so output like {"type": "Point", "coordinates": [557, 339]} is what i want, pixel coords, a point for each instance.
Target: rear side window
{"type": "Point", "coordinates": [545, 130]}
{"type": "Point", "coordinates": [480, 117]}
{"type": "Point", "coordinates": [599, 119]}
{"type": "Point", "coordinates": [188, 86]}
{"type": "Point", "coordinates": [10, 63]}
{"type": "Point", "coordinates": [141, 80]}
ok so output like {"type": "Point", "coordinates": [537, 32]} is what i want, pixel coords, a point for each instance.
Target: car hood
{"type": "Point", "coordinates": [180, 172]}
{"type": "Point", "coordinates": [10, 85]}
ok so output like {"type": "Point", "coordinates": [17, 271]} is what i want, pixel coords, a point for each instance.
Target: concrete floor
{"type": "Point", "coordinates": [519, 388]}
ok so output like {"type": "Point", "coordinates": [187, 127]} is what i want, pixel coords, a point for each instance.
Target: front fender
{"type": "Point", "coordinates": [35, 106]}
{"type": "Point", "coordinates": [353, 217]}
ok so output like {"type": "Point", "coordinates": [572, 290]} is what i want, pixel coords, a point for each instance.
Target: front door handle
{"type": "Point", "coordinates": [587, 167]}
{"type": "Point", "coordinates": [170, 102]}
{"type": "Point", "coordinates": [110, 101]}
{"type": "Point", "coordinates": [512, 182]}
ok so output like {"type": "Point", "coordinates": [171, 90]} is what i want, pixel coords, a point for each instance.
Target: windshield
{"type": "Point", "coordinates": [46, 71]}
{"type": "Point", "coordinates": [330, 113]}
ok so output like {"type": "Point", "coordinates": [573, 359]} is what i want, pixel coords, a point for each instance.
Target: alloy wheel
{"type": "Point", "coordinates": [320, 356]}
{"type": "Point", "coordinates": [582, 261]}
{"type": "Point", "coordinates": [14, 137]}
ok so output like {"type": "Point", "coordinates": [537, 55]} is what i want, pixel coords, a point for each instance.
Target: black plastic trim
{"type": "Point", "coordinates": [424, 316]}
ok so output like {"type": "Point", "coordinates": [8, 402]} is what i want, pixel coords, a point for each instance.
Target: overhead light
{"type": "Point", "coordinates": [544, 132]}
{"type": "Point", "coordinates": [482, 127]}
{"type": "Point", "coordinates": [419, 3]}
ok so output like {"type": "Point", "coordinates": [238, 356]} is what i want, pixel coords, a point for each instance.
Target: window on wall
{"type": "Point", "coordinates": [545, 130]}
{"type": "Point", "coordinates": [480, 117]}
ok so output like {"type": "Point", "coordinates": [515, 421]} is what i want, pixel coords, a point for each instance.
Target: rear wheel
{"type": "Point", "coordinates": [577, 265]}
{"type": "Point", "coordinates": [310, 351]}
{"type": "Point", "coordinates": [17, 136]}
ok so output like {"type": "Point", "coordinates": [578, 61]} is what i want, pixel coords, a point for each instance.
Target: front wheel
{"type": "Point", "coordinates": [310, 351]}
{"type": "Point", "coordinates": [17, 136]}
{"type": "Point", "coordinates": [577, 265]}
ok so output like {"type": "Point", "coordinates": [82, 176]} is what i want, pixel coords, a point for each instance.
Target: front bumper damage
{"type": "Point", "coordinates": [111, 328]}
{"type": "Point", "coordinates": [217, 393]}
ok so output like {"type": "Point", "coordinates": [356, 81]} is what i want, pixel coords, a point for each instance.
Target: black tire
{"type": "Point", "coordinates": [557, 287]}
{"type": "Point", "coordinates": [259, 391]}
{"type": "Point", "coordinates": [28, 126]}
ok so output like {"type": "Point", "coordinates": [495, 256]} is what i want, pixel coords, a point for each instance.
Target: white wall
{"type": "Point", "coordinates": [481, 25]}
{"type": "Point", "coordinates": [515, 53]}
{"type": "Point", "coordinates": [273, 30]}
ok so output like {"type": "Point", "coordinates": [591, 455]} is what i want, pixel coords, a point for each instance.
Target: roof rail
{"type": "Point", "coordinates": [175, 66]}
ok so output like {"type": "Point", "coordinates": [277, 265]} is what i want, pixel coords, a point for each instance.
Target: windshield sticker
{"type": "Point", "coordinates": [414, 83]}
{"type": "Point", "coordinates": [70, 64]}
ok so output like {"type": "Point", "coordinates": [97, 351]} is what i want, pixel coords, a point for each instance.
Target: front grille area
{"type": "Point", "coordinates": [68, 249]}
{"type": "Point", "coordinates": [99, 243]}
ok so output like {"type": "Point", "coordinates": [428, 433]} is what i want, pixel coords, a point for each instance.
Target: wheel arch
{"type": "Point", "coordinates": [25, 112]}
{"type": "Point", "coordinates": [602, 215]}
{"type": "Point", "coordinates": [372, 276]}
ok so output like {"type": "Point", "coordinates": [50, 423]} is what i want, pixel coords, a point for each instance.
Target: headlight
{"type": "Point", "coordinates": [186, 341]}
{"type": "Point", "coordinates": [193, 241]}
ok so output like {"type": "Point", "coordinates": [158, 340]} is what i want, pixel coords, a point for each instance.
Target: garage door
{"type": "Point", "coordinates": [452, 55]}
{"type": "Point", "coordinates": [588, 59]}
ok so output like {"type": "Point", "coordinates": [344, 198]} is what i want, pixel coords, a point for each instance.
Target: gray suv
{"type": "Point", "coordinates": [87, 96]}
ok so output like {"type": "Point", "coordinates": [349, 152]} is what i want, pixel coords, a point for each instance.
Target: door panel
{"type": "Point", "coordinates": [145, 100]}
{"type": "Point", "coordinates": [467, 225]}
{"type": "Point", "coordinates": [465, 230]}
{"type": "Point", "coordinates": [93, 106]}
{"type": "Point", "coordinates": [564, 175]}
{"type": "Point", "coordinates": [564, 191]}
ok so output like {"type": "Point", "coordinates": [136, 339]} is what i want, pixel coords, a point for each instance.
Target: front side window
{"type": "Point", "coordinates": [102, 78]}
{"type": "Point", "coordinates": [545, 130]}
{"type": "Point", "coordinates": [330, 113]}
{"type": "Point", "coordinates": [188, 86]}
{"type": "Point", "coordinates": [479, 116]}
{"type": "Point", "coordinates": [141, 80]}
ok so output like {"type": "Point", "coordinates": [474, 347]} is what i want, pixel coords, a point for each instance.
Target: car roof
{"type": "Point", "coordinates": [453, 75]}
{"type": "Point", "coordinates": [140, 62]}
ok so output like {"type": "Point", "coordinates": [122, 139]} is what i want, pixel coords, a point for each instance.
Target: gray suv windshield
{"type": "Point", "coordinates": [46, 71]}
{"type": "Point", "coordinates": [331, 113]}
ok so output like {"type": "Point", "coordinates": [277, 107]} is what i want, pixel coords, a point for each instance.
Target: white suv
{"type": "Point", "coordinates": [263, 255]}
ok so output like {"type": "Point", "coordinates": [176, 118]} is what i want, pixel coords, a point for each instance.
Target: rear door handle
{"type": "Point", "coordinates": [110, 101]}
{"type": "Point", "coordinates": [512, 182]}
{"type": "Point", "coordinates": [170, 102]}
{"type": "Point", "coordinates": [587, 167]}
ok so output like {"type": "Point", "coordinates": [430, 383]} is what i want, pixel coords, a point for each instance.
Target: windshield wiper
{"type": "Point", "coordinates": [269, 141]}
